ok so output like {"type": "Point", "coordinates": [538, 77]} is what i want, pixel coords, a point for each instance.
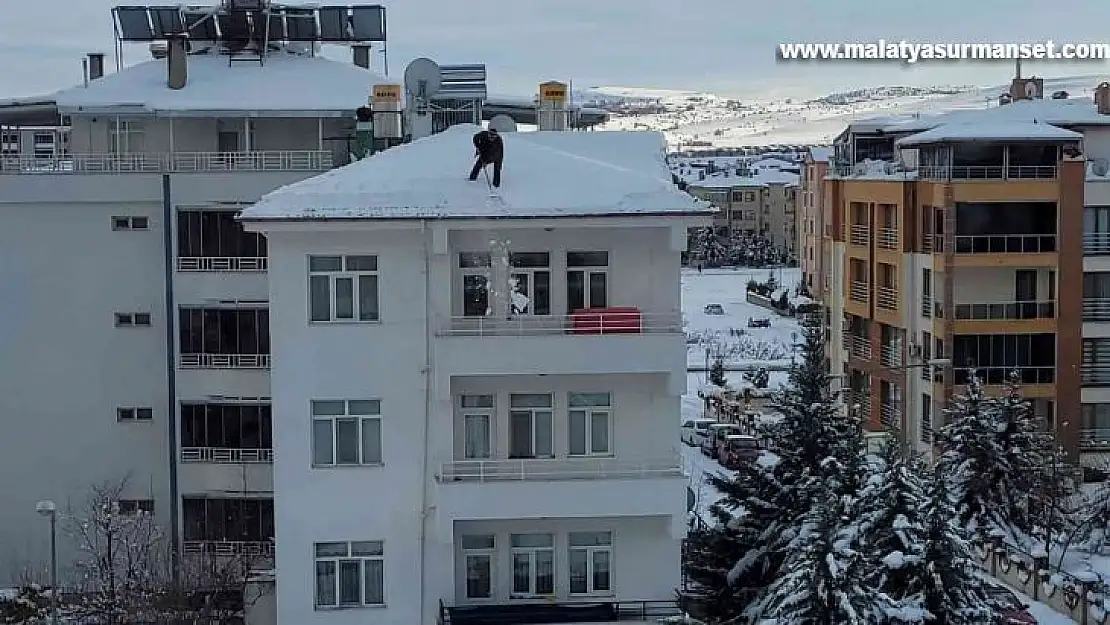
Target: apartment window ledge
{"type": "Point", "coordinates": [345, 322]}
{"type": "Point", "coordinates": [336, 608]}
{"type": "Point", "coordinates": [368, 465]}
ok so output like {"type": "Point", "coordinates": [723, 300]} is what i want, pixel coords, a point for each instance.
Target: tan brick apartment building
{"type": "Point", "coordinates": [810, 228]}
{"type": "Point", "coordinates": [761, 199]}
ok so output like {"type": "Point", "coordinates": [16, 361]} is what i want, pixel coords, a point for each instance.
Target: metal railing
{"type": "Point", "coordinates": [927, 243]}
{"type": "Point", "coordinates": [888, 239]}
{"type": "Point", "coordinates": [1005, 244]}
{"type": "Point", "coordinates": [1096, 309]}
{"type": "Point", "coordinates": [1095, 437]}
{"type": "Point", "coordinates": [553, 469]}
{"type": "Point", "coordinates": [926, 306]}
{"type": "Point", "coordinates": [1096, 243]}
{"type": "Point", "coordinates": [1003, 374]}
{"type": "Point", "coordinates": [1095, 374]}
{"type": "Point", "coordinates": [582, 323]}
{"type": "Point", "coordinates": [859, 291]}
{"type": "Point", "coordinates": [175, 162]}
{"type": "Point", "coordinates": [861, 402]}
{"type": "Point", "coordinates": [586, 609]}
{"type": "Point", "coordinates": [224, 455]}
{"type": "Point", "coordinates": [860, 347]}
{"type": "Point", "coordinates": [986, 172]}
{"type": "Point", "coordinates": [214, 264]}
{"type": "Point", "coordinates": [860, 235]}
{"type": "Point", "coordinates": [888, 414]}
{"type": "Point", "coordinates": [224, 361]}
{"type": "Point", "coordinates": [886, 298]}
{"type": "Point", "coordinates": [1011, 311]}
{"type": "Point", "coordinates": [228, 547]}
{"type": "Point", "coordinates": [890, 356]}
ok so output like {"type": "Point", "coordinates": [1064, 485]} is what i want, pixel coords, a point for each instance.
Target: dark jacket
{"type": "Point", "coordinates": [489, 146]}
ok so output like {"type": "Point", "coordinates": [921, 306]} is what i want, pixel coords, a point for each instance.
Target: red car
{"type": "Point", "coordinates": [738, 449]}
{"type": "Point", "coordinates": [1013, 610]}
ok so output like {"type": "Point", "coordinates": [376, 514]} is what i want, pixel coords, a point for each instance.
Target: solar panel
{"type": "Point", "coordinates": [300, 24]}
{"type": "Point", "coordinates": [166, 21]}
{"type": "Point", "coordinates": [201, 25]}
{"type": "Point", "coordinates": [234, 26]}
{"type": "Point", "coordinates": [333, 24]}
{"type": "Point", "coordinates": [133, 23]}
{"type": "Point", "coordinates": [368, 23]}
{"type": "Point", "coordinates": [277, 26]}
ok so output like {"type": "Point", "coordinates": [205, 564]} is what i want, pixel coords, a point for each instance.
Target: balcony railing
{"type": "Point", "coordinates": [546, 470]}
{"type": "Point", "coordinates": [1096, 243]}
{"type": "Point", "coordinates": [887, 298]}
{"type": "Point", "coordinates": [986, 172]}
{"type": "Point", "coordinates": [586, 610]}
{"type": "Point", "coordinates": [859, 291]}
{"type": "Point", "coordinates": [1095, 437]}
{"type": "Point", "coordinates": [228, 547]}
{"type": "Point", "coordinates": [888, 239]}
{"type": "Point", "coordinates": [224, 361]}
{"type": "Point", "coordinates": [926, 306]}
{"type": "Point", "coordinates": [223, 455]}
{"type": "Point", "coordinates": [888, 414]}
{"type": "Point", "coordinates": [927, 243]}
{"type": "Point", "coordinates": [215, 264]}
{"type": "Point", "coordinates": [176, 162]}
{"type": "Point", "coordinates": [1006, 244]}
{"type": "Point", "coordinates": [859, 347]}
{"type": "Point", "coordinates": [890, 356]}
{"type": "Point", "coordinates": [1096, 309]}
{"type": "Point", "coordinates": [861, 403]}
{"type": "Point", "coordinates": [599, 321]}
{"type": "Point", "coordinates": [1095, 374]}
{"type": "Point", "coordinates": [860, 235]}
{"type": "Point", "coordinates": [1001, 375]}
{"type": "Point", "coordinates": [1006, 311]}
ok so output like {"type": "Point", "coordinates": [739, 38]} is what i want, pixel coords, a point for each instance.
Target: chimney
{"type": "Point", "coordinates": [177, 62]}
{"type": "Point", "coordinates": [1102, 98]}
{"type": "Point", "coordinates": [96, 65]}
{"type": "Point", "coordinates": [360, 53]}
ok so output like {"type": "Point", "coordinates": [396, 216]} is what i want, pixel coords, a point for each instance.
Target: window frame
{"type": "Point", "coordinates": [130, 222]}
{"type": "Point", "coordinates": [488, 412]}
{"type": "Point", "coordinates": [482, 269]}
{"type": "Point", "coordinates": [490, 554]}
{"type": "Point", "coordinates": [588, 412]}
{"type": "Point", "coordinates": [590, 550]}
{"type": "Point", "coordinates": [349, 414]}
{"type": "Point", "coordinates": [533, 569]}
{"type": "Point", "coordinates": [531, 271]}
{"type": "Point", "coordinates": [351, 555]}
{"type": "Point", "coordinates": [133, 507]}
{"type": "Point", "coordinates": [133, 320]}
{"type": "Point", "coordinates": [549, 410]}
{"type": "Point", "coordinates": [588, 268]}
{"type": "Point", "coordinates": [345, 272]}
{"type": "Point", "coordinates": [134, 414]}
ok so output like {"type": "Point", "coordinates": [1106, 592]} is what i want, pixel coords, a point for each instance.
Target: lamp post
{"type": "Point", "coordinates": [48, 509]}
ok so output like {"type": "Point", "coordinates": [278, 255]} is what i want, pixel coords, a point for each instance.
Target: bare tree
{"type": "Point", "coordinates": [213, 587]}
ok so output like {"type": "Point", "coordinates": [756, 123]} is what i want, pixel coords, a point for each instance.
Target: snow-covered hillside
{"type": "Point", "coordinates": [692, 119]}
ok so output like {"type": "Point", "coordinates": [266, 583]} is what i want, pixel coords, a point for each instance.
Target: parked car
{"type": "Point", "coordinates": [714, 309]}
{"type": "Point", "coordinates": [692, 428]}
{"type": "Point", "coordinates": [717, 433]}
{"type": "Point", "coordinates": [1013, 610]}
{"type": "Point", "coordinates": [759, 322]}
{"type": "Point", "coordinates": [738, 449]}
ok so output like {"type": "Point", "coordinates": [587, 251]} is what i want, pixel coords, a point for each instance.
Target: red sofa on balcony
{"type": "Point", "coordinates": [612, 320]}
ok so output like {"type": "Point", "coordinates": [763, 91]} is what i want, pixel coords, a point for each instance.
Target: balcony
{"type": "Point", "coordinates": [987, 172]}
{"type": "Point", "coordinates": [1006, 311]}
{"type": "Point", "coordinates": [890, 356]}
{"type": "Point", "coordinates": [264, 548]}
{"type": "Point", "coordinates": [599, 341]}
{"type": "Point", "coordinates": [888, 239]}
{"type": "Point", "coordinates": [1095, 438]}
{"type": "Point", "coordinates": [1096, 243]}
{"type": "Point", "coordinates": [887, 298]}
{"type": "Point", "coordinates": [210, 264]}
{"type": "Point", "coordinates": [223, 470]}
{"type": "Point", "coordinates": [927, 243]}
{"type": "Point", "coordinates": [218, 455]}
{"type": "Point", "coordinates": [994, 375]}
{"type": "Point", "coordinates": [859, 291]}
{"type": "Point", "coordinates": [926, 306]}
{"type": "Point", "coordinates": [890, 414]}
{"type": "Point", "coordinates": [533, 470]}
{"type": "Point", "coordinates": [859, 346]}
{"type": "Point", "coordinates": [176, 162]}
{"type": "Point", "coordinates": [224, 361]}
{"type": "Point", "coordinates": [860, 235]}
{"type": "Point", "coordinates": [1096, 309]}
{"type": "Point", "coordinates": [1006, 244]}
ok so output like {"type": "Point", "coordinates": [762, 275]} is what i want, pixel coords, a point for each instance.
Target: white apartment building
{"type": "Point", "coordinates": [446, 444]}
{"type": "Point", "coordinates": [136, 334]}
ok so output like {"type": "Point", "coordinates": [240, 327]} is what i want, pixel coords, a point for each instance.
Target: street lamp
{"type": "Point", "coordinates": [48, 509]}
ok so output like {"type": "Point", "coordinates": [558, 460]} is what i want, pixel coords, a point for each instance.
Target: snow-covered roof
{"type": "Point", "coordinates": [757, 178]}
{"type": "Point", "coordinates": [991, 130]}
{"type": "Point", "coordinates": [546, 174]}
{"type": "Point", "coordinates": [821, 154]}
{"type": "Point", "coordinates": [287, 84]}
{"type": "Point", "coordinates": [1070, 112]}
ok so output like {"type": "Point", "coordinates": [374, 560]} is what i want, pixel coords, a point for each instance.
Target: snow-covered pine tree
{"type": "Point", "coordinates": [717, 372]}
{"type": "Point", "coordinates": [955, 592]}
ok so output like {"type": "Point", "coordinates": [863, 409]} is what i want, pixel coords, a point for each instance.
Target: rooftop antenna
{"type": "Point", "coordinates": [423, 80]}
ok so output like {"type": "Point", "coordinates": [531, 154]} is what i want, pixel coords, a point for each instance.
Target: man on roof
{"type": "Point", "coordinates": [489, 150]}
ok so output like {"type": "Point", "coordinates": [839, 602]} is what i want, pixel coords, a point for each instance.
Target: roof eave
{"type": "Point", "coordinates": [707, 212]}
{"type": "Point", "coordinates": [141, 109]}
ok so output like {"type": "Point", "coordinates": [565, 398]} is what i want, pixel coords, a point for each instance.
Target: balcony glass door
{"type": "Point", "coordinates": [530, 423]}
{"type": "Point", "coordinates": [1025, 292]}
{"type": "Point", "coordinates": [587, 280]}
{"type": "Point", "coordinates": [475, 267]}
{"type": "Point", "coordinates": [479, 551]}
{"type": "Point", "coordinates": [533, 564]}
{"type": "Point", "coordinates": [530, 283]}
{"type": "Point", "coordinates": [477, 415]}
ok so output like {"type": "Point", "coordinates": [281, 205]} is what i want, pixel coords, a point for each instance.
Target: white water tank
{"type": "Point", "coordinates": [551, 109]}
{"type": "Point", "coordinates": [385, 101]}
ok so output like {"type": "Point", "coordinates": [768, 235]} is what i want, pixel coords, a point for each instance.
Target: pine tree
{"type": "Point", "coordinates": [717, 372]}
{"type": "Point", "coordinates": [711, 251]}
{"type": "Point", "coordinates": [954, 594]}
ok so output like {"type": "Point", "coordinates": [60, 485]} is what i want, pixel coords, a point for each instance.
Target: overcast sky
{"type": "Point", "coordinates": [725, 46]}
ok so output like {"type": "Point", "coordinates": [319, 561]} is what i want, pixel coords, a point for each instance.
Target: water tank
{"type": "Point", "coordinates": [551, 110]}
{"type": "Point", "coordinates": [386, 103]}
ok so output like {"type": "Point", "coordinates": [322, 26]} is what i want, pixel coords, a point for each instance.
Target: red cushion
{"type": "Point", "coordinates": [612, 320]}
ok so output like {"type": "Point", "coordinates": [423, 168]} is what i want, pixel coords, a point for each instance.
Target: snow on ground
{"type": "Point", "coordinates": [1040, 611]}
{"type": "Point", "coordinates": [713, 333]}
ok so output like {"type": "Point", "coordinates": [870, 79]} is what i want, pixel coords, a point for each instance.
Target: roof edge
{"type": "Point", "coordinates": [707, 212]}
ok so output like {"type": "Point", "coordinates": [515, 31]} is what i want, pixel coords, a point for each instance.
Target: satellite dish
{"type": "Point", "coordinates": [502, 123]}
{"type": "Point", "coordinates": [423, 78]}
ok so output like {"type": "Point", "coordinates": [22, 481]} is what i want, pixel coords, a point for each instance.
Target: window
{"type": "Point", "coordinates": [590, 563]}
{"type": "Point", "coordinates": [749, 196]}
{"type": "Point", "coordinates": [591, 423]}
{"type": "Point", "coordinates": [478, 551]}
{"type": "Point", "coordinates": [220, 519]}
{"type": "Point", "coordinates": [475, 268]}
{"type": "Point", "coordinates": [346, 433]}
{"type": "Point", "coordinates": [130, 223]}
{"type": "Point", "coordinates": [533, 564]}
{"type": "Point", "coordinates": [216, 234]}
{"type": "Point", "coordinates": [343, 288]}
{"type": "Point", "coordinates": [9, 144]}
{"type": "Point", "coordinates": [132, 319]}
{"type": "Point", "coordinates": [126, 136]}
{"type": "Point", "coordinates": [477, 415]}
{"type": "Point", "coordinates": [926, 292]}
{"type": "Point", "coordinates": [227, 426]}
{"type": "Point", "coordinates": [43, 144]}
{"type": "Point", "coordinates": [1096, 417]}
{"type": "Point", "coordinates": [225, 331]}
{"type": "Point", "coordinates": [530, 426]}
{"type": "Point", "coordinates": [134, 414]}
{"type": "Point", "coordinates": [132, 507]}
{"type": "Point", "coordinates": [587, 280]}
{"type": "Point", "coordinates": [350, 574]}
{"type": "Point", "coordinates": [926, 418]}
{"type": "Point", "coordinates": [530, 283]}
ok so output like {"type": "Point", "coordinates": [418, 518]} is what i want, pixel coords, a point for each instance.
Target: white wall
{"type": "Point", "coordinates": [988, 285]}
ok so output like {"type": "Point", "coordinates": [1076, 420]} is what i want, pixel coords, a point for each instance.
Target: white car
{"type": "Point", "coordinates": [694, 430]}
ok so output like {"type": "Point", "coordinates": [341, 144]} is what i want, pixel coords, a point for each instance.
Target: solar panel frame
{"type": "Point", "coordinates": [333, 24]}
{"type": "Point", "coordinates": [133, 23]}
{"type": "Point", "coordinates": [300, 25]}
{"type": "Point", "coordinates": [368, 23]}
{"type": "Point", "coordinates": [166, 21]}
{"type": "Point", "coordinates": [201, 26]}
{"type": "Point", "coordinates": [277, 25]}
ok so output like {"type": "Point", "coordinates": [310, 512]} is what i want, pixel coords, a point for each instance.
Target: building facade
{"type": "Point", "coordinates": [479, 411]}
{"type": "Point", "coordinates": [754, 199]}
{"type": "Point", "coordinates": [810, 226]}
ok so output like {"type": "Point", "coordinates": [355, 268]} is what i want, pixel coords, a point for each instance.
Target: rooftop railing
{"type": "Point", "coordinates": [1007, 311]}
{"type": "Point", "coordinates": [174, 162]}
